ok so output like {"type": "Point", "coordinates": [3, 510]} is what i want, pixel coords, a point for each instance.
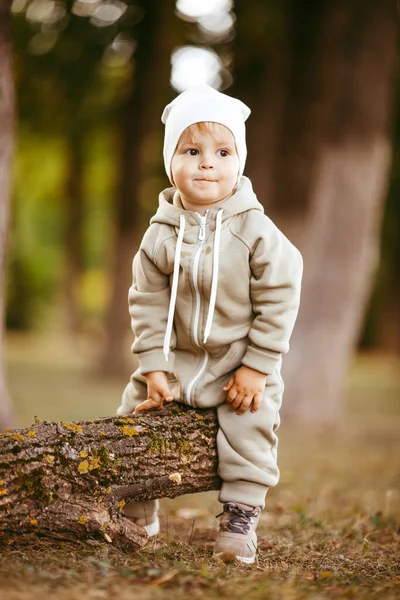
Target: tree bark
{"type": "Point", "coordinates": [7, 109]}
{"type": "Point", "coordinates": [72, 480]}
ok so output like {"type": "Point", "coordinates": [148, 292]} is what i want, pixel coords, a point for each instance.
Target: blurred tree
{"type": "Point", "coordinates": [382, 330]}
{"type": "Point", "coordinates": [387, 331]}
{"type": "Point", "coordinates": [66, 50]}
{"type": "Point", "coordinates": [322, 93]}
{"type": "Point", "coordinates": [78, 75]}
{"type": "Point", "coordinates": [6, 153]}
{"type": "Point", "coordinates": [73, 228]}
{"type": "Point", "coordinates": [156, 36]}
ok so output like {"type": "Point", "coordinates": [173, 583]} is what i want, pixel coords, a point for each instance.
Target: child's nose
{"type": "Point", "coordinates": [206, 163]}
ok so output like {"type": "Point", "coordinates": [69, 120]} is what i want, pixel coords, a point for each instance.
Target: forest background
{"type": "Point", "coordinates": [321, 78]}
{"type": "Point", "coordinates": [84, 83]}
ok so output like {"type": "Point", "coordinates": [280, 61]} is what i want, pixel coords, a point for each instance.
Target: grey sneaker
{"type": "Point", "coordinates": [237, 538]}
{"type": "Point", "coordinates": [144, 514]}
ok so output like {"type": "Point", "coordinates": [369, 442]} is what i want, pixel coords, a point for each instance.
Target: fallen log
{"type": "Point", "coordinates": [72, 480]}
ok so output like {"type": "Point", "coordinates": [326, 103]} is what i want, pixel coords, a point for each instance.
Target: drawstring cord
{"type": "Point", "coordinates": [174, 289]}
{"type": "Point", "coordinates": [214, 283]}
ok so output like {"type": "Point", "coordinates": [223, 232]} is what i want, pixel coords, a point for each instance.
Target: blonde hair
{"type": "Point", "coordinates": [215, 129]}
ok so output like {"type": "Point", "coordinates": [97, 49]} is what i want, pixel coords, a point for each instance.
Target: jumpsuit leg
{"type": "Point", "coordinates": [247, 448]}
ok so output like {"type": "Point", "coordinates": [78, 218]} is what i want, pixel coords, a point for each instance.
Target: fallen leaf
{"type": "Point", "coordinates": [325, 574]}
{"type": "Point", "coordinates": [167, 577]}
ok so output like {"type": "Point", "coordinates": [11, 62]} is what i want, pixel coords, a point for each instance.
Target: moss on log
{"type": "Point", "coordinates": [72, 480]}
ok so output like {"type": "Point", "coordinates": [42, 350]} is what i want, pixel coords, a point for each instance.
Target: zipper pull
{"type": "Point", "coordinates": [202, 231]}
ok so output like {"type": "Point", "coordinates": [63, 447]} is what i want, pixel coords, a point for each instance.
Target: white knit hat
{"type": "Point", "coordinates": [203, 103]}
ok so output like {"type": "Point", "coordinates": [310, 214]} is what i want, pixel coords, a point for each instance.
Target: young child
{"type": "Point", "coordinates": [215, 295]}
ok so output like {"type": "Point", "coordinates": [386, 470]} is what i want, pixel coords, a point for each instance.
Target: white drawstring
{"type": "Point", "coordinates": [214, 283]}
{"type": "Point", "coordinates": [174, 289]}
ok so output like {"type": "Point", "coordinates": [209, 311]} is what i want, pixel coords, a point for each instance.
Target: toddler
{"type": "Point", "coordinates": [214, 298]}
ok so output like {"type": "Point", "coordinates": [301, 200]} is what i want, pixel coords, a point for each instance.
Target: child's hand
{"type": "Point", "coordinates": [157, 392]}
{"type": "Point", "coordinates": [244, 388]}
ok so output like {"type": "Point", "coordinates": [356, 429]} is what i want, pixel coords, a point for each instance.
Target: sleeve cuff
{"type": "Point", "coordinates": [259, 360]}
{"type": "Point", "coordinates": [154, 360]}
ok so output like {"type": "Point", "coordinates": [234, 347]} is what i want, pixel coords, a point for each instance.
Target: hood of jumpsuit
{"type": "Point", "coordinates": [171, 212]}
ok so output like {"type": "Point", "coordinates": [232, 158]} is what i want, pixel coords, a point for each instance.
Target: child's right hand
{"type": "Point", "coordinates": [157, 392]}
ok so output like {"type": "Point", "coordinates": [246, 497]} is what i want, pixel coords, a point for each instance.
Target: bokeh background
{"type": "Point", "coordinates": [82, 87]}
{"type": "Point", "coordinates": [91, 80]}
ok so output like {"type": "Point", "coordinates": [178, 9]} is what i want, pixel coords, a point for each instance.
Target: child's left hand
{"type": "Point", "coordinates": [246, 387]}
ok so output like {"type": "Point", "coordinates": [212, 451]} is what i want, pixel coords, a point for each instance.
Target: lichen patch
{"type": "Point", "coordinates": [89, 464]}
{"type": "Point", "coordinates": [72, 427]}
{"type": "Point", "coordinates": [83, 467]}
{"type": "Point", "coordinates": [129, 431]}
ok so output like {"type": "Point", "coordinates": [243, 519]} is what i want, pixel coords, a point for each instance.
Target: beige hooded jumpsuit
{"type": "Point", "coordinates": [210, 294]}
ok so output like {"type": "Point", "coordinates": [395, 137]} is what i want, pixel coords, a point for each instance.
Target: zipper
{"type": "Point", "coordinates": [202, 230]}
{"type": "Point", "coordinates": [197, 376]}
{"type": "Point", "coordinates": [195, 273]}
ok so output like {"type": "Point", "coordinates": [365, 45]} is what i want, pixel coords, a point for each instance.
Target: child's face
{"type": "Point", "coordinates": [205, 165]}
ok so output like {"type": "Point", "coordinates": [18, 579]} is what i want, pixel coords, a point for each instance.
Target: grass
{"type": "Point", "coordinates": [331, 528]}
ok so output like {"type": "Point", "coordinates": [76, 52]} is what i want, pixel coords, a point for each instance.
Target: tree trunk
{"type": "Point", "coordinates": [387, 336]}
{"type": "Point", "coordinates": [73, 228]}
{"type": "Point", "coordinates": [341, 249]}
{"type": "Point", "coordinates": [6, 152]}
{"type": "Point", "coordinates": [330, 156]}
{"type": "Point", "coordinates": [72, 480]}
{"type": "Point", "coordinates": [383, 326]}
{"type": "Point", "coordinates": [155, 39]}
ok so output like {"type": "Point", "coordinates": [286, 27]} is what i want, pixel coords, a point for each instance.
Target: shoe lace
{"type": "Point", "coordinates": [240, 519]}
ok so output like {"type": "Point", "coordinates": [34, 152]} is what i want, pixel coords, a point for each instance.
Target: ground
{"type": "Point", "coordinates": [331, 528]}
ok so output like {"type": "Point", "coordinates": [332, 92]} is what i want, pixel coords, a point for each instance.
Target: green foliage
{"type": "Point", "coordinates": [36, 260]}
{"type": "Point", "coordinates": [63, 86]}
{"type": "Point", "coordinates": [71, 79]}
{"type": "Point", "coordinates": [34, 245]}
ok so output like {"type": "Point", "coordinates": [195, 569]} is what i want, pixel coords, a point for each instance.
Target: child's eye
{"type": "Point", "coordinates": [223, 153]}
{"type": "Point", "coordinates": [192, 152]}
